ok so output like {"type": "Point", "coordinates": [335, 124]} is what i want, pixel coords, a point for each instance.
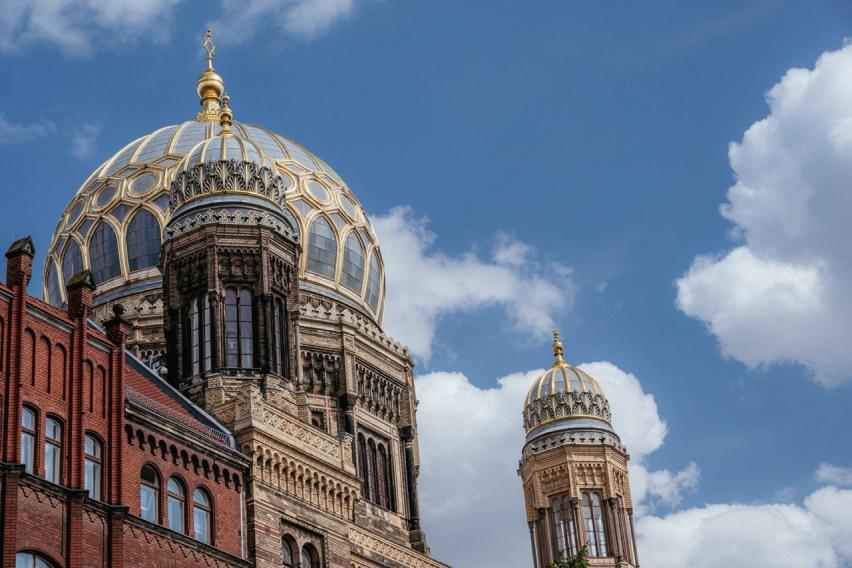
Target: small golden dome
{"type": "Point", "coordinates": [564, 392]}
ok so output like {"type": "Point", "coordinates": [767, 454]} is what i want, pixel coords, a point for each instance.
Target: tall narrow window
{"type": "Point", "coordinates": [353, 264]}
{"type": "Point", "coordinates": [52, 450]}
{"type": "Point", "coordinates": [362, 461]}
{"type": "Point", "coordinates": [381, 473]}
{"type": "Point", "coordinates": [194, 337]}
{"type": "Point", "coordinates": [28, 437]}
{"type": "Point", "coordinates": [149, 494]}
{"type": "Point", "coordinates": [563, 526]}
{"type": "Point", "coordinates": [287, 552]}
{"type": "Point", "coordinates": [322, 249]}
{"type": "Point", "coordinates": [594, 524]}
{"type": "Point", "coordinates": [239, 340]}
{"type": "Point", "coordinates": [278, 335]}
{"type": "Point", "coordinates": [92, 467]}
{"type": "Point", "coordinates": [371, 471]}
{"type": "Point", "coordinates": [201, 513]}
{"type": "Point", "coordinates": [310, 558]}
{"type": "Point", "coordinates": [374, 282]}
{"type": "Point", "coordinates": [176, 504]}
{"type": "Point", "coordinates": [103, 254]}
{"type": "Point", "coordinates": [206, 334]}
{"type": "Point", "coordinates": [143, 241]}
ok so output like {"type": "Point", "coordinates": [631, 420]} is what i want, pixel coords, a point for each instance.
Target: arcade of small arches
{"type": "Point", "coordinates": [304, 482]}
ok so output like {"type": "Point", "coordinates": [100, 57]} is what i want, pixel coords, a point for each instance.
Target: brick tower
{"type": "Point", "coordinates": [574, 471]}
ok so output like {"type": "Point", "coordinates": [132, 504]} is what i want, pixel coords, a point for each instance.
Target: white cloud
{"type": "Point", "coordinates": [834, 475]}
{"type": "Point", "coordinates": [817, 533]}
{"type": "Point", "coordinates": [304, 19]}
{"type": "Point", "coordinates": [76, 26]}
{"type": "Point", "coordinates": [83, 139]}
{"type": "Point", "coordinates": [424, 284]}
{"type": "Point", "coordinates": [16, 132]}
{"type": "Point", "coordinates": [782, 294]}
{"type": "Point", "coordinates": [471, 439]}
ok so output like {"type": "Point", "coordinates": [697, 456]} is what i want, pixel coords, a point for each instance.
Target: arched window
{"type": "Point", "coordinates": [103, 254]}
{"type": "Point", "coordinates": [194, 337]}
{"type": "Point", "coordinates": [143, 241]}
{"type": "Point", "coordinates": [92, 466]}
{"type": "Point", "coordinates": [279, 335]}
{"type": "Point", "coordinates": [309, 557]}
{"type": "Point", "coordinates": [28, 438]}
{"type": "Point", "coordinates": [373, 283]}
{"type": "Point", "coordinates": [176, 504]}
{"type": "Point", "coordinates": [288, 551]}
{"type": "Point", "coordinates": [239, 341]}
{"type": "Point", "coordinates": [52, 449]}
{"type": "Point", "coordinates": [72, 261]}
{"type": "Point", "coordinates": [595, 526]}
{"type": "Point", "coordinates": [322, 248]}
{"type": "Point", "coordinates": [201, 514]}
{"type": "Point", "coordinates": [31, 560]}
{"type": "Point", "coordinates": [206, 334]}
{"type": "Point", "coordinates": [353, 264]}
{"type": "Point", "coordinates": [53, 295]}
{"type": "Point", "coordinates": [149, 494]}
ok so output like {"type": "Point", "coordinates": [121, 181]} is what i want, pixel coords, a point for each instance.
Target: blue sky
{"type": "Point", "coordinates": [595, 133]}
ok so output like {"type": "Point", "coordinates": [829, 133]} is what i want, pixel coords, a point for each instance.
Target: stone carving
{"type": "Point", "coordinates": [378, 393]}
{"type": "Point", "coordinates": [565, 405]}
{"type": "Point", "coordinates": [321, 372]}
{"type": "Point", "coordinates": [574, 437]}
{"type": "Point", "coordinates": [238, 263]}
{"type": "Point", "coordinates": [226, 176]}
{"type": "Point", "coordinates": [232, 216]}
{"type": "Point", "coordinates": [317, 308]}
{"type": "Point", "coordinates": [386, 549]}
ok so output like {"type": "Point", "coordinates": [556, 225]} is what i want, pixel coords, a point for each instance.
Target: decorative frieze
{"type": "Point", "coordinates": [371, 545]}
{"type": "Point", "coordinates": [572, 404]}
{"type": "Point", "coordinates": [378, 393]}
{"type": "Point", "coordinates": [321, 372]}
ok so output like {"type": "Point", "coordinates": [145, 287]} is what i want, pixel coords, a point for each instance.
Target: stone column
{"type": "Point", "coordinates": [407, 436]}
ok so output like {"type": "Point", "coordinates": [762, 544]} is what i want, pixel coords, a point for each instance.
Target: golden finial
{"type": "Point", "coordinates": [210, 85]}
{"type": "Point", "coordinates": [209, 46]}
{"type": "Point", "coordinates": [226, 116]}
{"type": "Point", "coordinates": [558, 349]}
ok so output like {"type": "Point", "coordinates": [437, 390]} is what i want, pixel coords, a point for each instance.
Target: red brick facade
{"type": "Point", "coordinates": [59, 365]}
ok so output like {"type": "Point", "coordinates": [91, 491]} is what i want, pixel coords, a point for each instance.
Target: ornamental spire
{"type": "Point", "coordinates": [226, 116]}
{"type": "Point", "coordinates": [210, 85]}
{"type": "Point", "coordinates": [558, 349]}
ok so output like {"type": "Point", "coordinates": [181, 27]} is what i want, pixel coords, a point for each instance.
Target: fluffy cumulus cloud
{"type": "Point", "coordinates": [303, 19]}
{"type": "Point", "coordinates": [17, 132]}
{"type": "Point", "coordinates": [834, 475]}
{"type": "Point", "coordinates": [817, 533]}
{"type": "Point", "coordinates": [79, 27]}
{"type": "Point", "coordinates": [83, 140]}
{"type": "Point", "coordinates": [471, 439]}
{"type": "Point", "coordinates": [76, 26]}
{"type": "Point", "coordinates": [781, 294]}
{"type": "Point", "coordinates": [424, 284]}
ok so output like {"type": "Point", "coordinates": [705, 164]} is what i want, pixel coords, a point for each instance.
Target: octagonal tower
{"type": "Point", "coordinates": [574, 471]}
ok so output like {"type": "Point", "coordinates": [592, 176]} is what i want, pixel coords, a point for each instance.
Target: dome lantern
{"type": "Point", "coordinates": [209, 85]}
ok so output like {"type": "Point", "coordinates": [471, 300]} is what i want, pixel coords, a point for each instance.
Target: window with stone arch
{"type": "Point", "coordinates": [289, 551]}
{"type": "Point", "coordinates": [31, 560]}
{"type": "Point", "coordinates": [176, 504]}
{"type": "Point", "coordinates": [279, 336]}
{"type": "Point", "coordinates": [202, 515]}
{"type": "Point", "coordinates": [309, 557]}
{"type": "Point", "coordinates": [149, 494]}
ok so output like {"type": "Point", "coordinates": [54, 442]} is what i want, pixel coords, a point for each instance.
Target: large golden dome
{"type": "Point", "coordinates": [114, 224]}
